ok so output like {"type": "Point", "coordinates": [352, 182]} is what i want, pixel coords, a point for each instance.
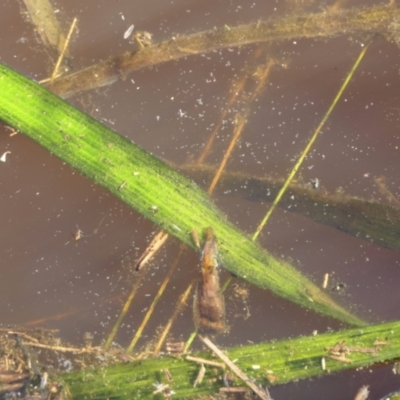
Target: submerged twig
{"type": "Point", "coordinates": [237, 389]}
{"type": "Point", "coordinates": [236, 88]}
{"type": "Point", "coordinates": [63, 349]}
{"type": "Point", "coordinates": [25, 352]}
{"type": "Point", "coordinates": [199, 360]}
{"type": "Point", "coordinates": [124, 310]}
{"type": "Point", "coordinates": [354, 21]}
{"type": "Point", "coordinates": [260, 392]}
{"type": "Point", "coordinates": [178, 309]}
{"type": "Point", "coordinates": [240, 123]}
{"type": "Point", "coordinates": [64, 50]}
{"type": "Point", "coordinates": [368, 220]}
{"type": "Point", "coordinates": [156, 300]}
{"type": "Point", "coordinates": [200, 375]}
{"type": "Point", "coordinates": [155, 245]}
{"type": "Point", "coordinates": [237, 94]}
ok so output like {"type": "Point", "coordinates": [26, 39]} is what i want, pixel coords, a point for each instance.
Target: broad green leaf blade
{"type": "Point", "coordinates": [270, 363]}
{"type": "Point", "coordinates": [142, 181]}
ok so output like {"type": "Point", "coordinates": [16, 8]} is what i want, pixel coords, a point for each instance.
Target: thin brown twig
{"type": "Point", "coordinates": [235, 369]}
{"type": "Point", "coordinates": [8, 330]}
{"type": "Point", "coordinates": [343, 359]}
{"type": "Point", "coordinates": [236, 89]}
{"type": "Point", "coordinates": [157, 242]}
{"type": "Point", "coordinates": [238, 389]}
{"type": "Point", "coordinates": [61, 56]}
{"type": "Point", "coordinates": [155, 245]}
{"type": "Point", "coordinates": [200, 375]}
{"type": "Point", "coordinates": [24, 335]}
{"type": "Point", "coordinates": [354, 21]}
{"type": "Point", "coordinates": [46, 80]}
{"type": "Point", "coordinates": [240, 121]}
{"type": "Point", "coordinates": [64, 349]}
{"type": "Point", "coordinates": [199, 360]}
{"type": "Point", "coordinates": [178, 309]}
{"type": "Point", "coordinates": [261, 74]}
{"type": "Point", "coordinates": [124, 310]}
{"type": "Point", "coordinates": [155, 300]}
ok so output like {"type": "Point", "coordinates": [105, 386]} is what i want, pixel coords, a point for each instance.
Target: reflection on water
{"type": "Point", "coordinates": [50, 279]}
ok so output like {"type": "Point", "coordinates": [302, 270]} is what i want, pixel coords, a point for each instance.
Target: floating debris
{"type": "Point", "coordinates": [326, 279]}
{"type": "Point", "coordinates": [362, 393]}
{"type": "Point", "coordinates": [122, 185]}
{"type": "Point", "coordinates": [396, 368]}
{"type": "Point", "coordinates": [200, 375]}
{"type": "Point", "coordinates": [128, 32]}
{"type": "Point", "coordinates": [167, 374]}
{"type": "Point", "coordinates": [315, 183]}
{"type": "Point", "coordinates": [4, 156]}
{"type": "Point", "coordinates": [206, 362]}
{"type": "Point", "coordinates": [142, 39]}
{"type": "Point", "coordinates": [195, 237]}
{"type": "Point", "coordinates": [78, 235]}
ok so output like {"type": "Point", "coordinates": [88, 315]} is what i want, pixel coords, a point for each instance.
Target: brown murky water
{"type": "Point", "coordinates": [48, 279]}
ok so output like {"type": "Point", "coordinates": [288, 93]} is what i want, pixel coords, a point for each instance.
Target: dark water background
{"type": "Point", "coordinates": [47, 279]}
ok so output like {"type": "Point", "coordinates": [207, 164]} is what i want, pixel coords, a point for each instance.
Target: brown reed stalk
{"type": "Point", "coordinates": [156, 299]}
{"type": "Point", "coordinates": [124, 310]}
{"type": "Point", "coordinates": [240, 123]}
{"type": "Point", "coordinates": [352, 22]}
{"type": "Point", "coordinates": [178, 309]}
{"type": "Point", "coordinates": [64, 50]}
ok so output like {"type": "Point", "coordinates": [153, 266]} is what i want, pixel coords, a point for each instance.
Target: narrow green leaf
{"type": "Point", "coordinates": [142, 181]}
{"type": "Point", "coordinates": [271, 363]}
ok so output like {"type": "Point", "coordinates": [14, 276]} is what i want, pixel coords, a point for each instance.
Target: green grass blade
{"type": "Point", "coordinates": [143, 181]}
{"type": "Point", "coordinates": [269, 363]}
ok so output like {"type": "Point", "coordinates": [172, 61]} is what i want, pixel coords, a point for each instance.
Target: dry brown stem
{"type": "Point", "coordinates": [355, 21]}
{"type": "Point", "coordinates": [178, 309]}
{"type": "Point", "coordinates": [155, 245]}
{"type": "Point", "coordinates": [206, 362]}
{"type": "Point", "coordinates": [63, 349]}
{"type": "Point", "coordinates": [260, 392]}
{"type": "Point", "coordinates": [368, 220]}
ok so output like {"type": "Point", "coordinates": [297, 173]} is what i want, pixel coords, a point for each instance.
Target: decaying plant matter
{"type": "Point", "coordinates": [369, 220]}
{"type": "Point", "coordinates": [382, 20]}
